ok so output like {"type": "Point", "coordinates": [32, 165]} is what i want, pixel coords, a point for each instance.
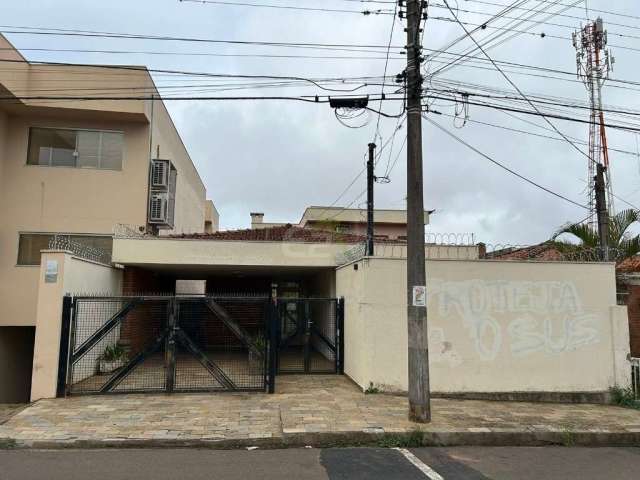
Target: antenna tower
{"type": "Point", "coordinates": [595, 63]}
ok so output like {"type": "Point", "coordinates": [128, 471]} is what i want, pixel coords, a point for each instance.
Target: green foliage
{"type": "Point", "coordinates": [260, 343]}
{"type": "Point", "coordinates": [413, 439]}
{"type": "Point", "coordinates": [568, 438]}
{"type": "Point", "coordinates": [371, 389]}
{"type": "Point", "coordinates": [619, 236]}
{"type": "Point", "coordinates": [7, 443]}
{"type": "Point", "coordinates": [113, 353]}
{"type": "Point", "coordinates": [624, 397]}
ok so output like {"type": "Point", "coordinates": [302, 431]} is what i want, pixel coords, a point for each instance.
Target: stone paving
{"type": "Point", "coordinates": [303, 405]}
{"type": "Point", "coordinates": [7, 410]}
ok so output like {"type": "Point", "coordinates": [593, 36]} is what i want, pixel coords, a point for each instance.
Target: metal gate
{"type": "Point", "coordinates": [194, 344]}
{"type": "Point", "coordinates": [310, 335]}
{"type": "Point", "coordinates": [164, 344]}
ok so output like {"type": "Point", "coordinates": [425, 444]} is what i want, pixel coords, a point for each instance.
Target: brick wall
{"type": "Point", "coordinates": [633, 307]}
{"type": "Point", "coordinates": [145, 322]}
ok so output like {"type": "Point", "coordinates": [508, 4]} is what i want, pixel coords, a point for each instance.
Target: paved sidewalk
{"type": "Point", "coordinates": [316, 410]}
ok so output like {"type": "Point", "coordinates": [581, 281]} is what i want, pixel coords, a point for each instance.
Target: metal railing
{"type": "Point", "coordinates": [635, 377]}
{"type": "Point", "coordinates": [66, 242]}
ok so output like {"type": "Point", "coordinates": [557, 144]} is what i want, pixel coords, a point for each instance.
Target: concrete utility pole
{"type": "Point", "coordinates": [602, 211]}
{"type": "Point", "coordinates": [419, 397]}
{"type": "Point", "coordinates": [370, 183]}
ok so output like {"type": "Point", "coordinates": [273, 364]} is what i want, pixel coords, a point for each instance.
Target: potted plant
{"type": "Point", "coordinates": [113, 358]}
{"type": "Point", "coordinates": [256, 354]}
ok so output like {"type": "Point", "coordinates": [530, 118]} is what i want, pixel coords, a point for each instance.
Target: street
{"type": "Point", "coordinates": [462, 463]}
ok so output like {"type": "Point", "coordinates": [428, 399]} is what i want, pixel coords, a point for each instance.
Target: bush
{"type": "Point", "coordinates": [625, 397]}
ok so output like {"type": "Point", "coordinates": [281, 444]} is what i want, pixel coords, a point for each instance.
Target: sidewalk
{"type": "Point", "coordinates": [311, 410]}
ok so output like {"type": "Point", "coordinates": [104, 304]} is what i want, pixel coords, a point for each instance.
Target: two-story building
{"type": "Point", "coordinates": [389, 224]}
{"type": "Point", "coordinates": [76, 168]}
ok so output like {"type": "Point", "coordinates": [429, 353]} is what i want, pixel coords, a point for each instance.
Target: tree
{"type": "Point", "coordinates": [620, 238]}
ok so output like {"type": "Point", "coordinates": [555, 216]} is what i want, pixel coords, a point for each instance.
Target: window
{"type": "Point", "coordinates": [30, 245]}
{"type": "Point", "coordinates": [75, 148]}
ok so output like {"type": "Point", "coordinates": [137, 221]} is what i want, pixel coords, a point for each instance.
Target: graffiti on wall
{"type": "Point", "coordinates": [523, 317]}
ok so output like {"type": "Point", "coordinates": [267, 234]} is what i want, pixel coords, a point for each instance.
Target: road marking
{"type": "Point", "coordinates": [420, 465]}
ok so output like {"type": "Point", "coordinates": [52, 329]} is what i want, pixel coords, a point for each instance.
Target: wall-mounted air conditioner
{"type": "Point", "coordinates": [160, 174]}
{"type": "Point", "coordinates": [159, 208]}
{"type": "Point", "coordinates": [163, 180]}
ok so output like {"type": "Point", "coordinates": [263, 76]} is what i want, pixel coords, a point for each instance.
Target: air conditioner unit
{"type": "Point", "coordinates": [159, 208]}
{"type": "Point", "coordinates": [160, 174]}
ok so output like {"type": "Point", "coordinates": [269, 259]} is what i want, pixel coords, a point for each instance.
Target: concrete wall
{"type": "Point", "coordinates": [16, 354]}
{"type": "Point", "coordinates": [187, 252]}
{"type": "Point", "coordinates": [74, 275]}
{"type": "Point", "coordinates": [493, 326]}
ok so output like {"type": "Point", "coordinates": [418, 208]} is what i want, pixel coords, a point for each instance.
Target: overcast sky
{"type": "Point", "coordinates": [279, 157]}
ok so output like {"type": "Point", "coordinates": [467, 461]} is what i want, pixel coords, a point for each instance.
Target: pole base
{"type": "Point", "coordinates": [419, 413]}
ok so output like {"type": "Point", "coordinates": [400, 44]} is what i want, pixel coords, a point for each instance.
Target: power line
{"type": "Point", "coordinates": [386, 66]}
{"type": "Point", "coordinates": [513, 84]}
{"type": "Point", "coordinates": [608, 12]}
{"type": "Point", "coordinates": [528, 132]}
{"type": "Point", "coordinates": [535, 113]}
{"type": "Point", "coordinates": [288, 7]}
{"type": "Point", "coordinates": [504, 167]}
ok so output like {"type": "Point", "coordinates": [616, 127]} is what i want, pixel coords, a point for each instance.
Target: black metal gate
{"type": "Point", "coordinates": [164, 344]}
{"type": "Point", "coordinates": [194, 344]}
{"type": "Point", "coordinates": [310, 335]}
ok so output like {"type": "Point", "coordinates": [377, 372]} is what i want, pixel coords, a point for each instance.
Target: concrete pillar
{"type": "Point", "coordinates": [48, 324]}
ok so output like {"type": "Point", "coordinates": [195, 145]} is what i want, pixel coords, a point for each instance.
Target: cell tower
{"type": "Point", "coordinates": [595, 63]}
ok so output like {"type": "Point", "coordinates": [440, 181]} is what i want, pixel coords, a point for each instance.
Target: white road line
{"type": "Point", "coordinates": [423, 467]}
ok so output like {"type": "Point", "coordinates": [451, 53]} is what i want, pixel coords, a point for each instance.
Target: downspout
{"type": "Point", "coordinates": [148, 226]}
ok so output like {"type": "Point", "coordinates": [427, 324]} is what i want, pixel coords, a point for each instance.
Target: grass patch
{"type": "Point", "coordinates": [372, 389]}
{"type": "Point", "coordinates": [568, 438]}
{"type": "Point", "coordinates": [413, 439]}
{"type": "Point", "coordinates": [624, 397]}
{"type": "Point", "coordinates": [7, 443]}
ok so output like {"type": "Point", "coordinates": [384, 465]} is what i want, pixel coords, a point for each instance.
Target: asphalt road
{"type": "Point", "coordinates": [468, 463]}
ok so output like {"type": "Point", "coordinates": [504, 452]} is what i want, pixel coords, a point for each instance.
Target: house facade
{"type": "Point", "coordinates": [513, 329]}
{"type": "Point", "coordinates": [72, 170]}
{"type": "Point", "coordinates": [388, 224]}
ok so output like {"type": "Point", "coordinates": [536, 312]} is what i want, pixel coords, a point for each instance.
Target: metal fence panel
{"type": "Point", "coordinates": [308, 340]}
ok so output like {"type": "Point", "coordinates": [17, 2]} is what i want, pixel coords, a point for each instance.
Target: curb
{"type": "Point", "coordinates": [352, 439]}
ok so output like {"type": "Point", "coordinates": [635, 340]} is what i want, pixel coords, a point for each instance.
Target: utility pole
{"type": "Point", "coordinates": [603, 213]}
{"type": "Point", "coordinates": [419, 396]}
{"type": "Point", "coordinates": [370, 183]}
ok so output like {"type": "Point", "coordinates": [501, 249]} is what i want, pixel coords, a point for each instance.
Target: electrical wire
{"type": "Point", "coordinates": [504, 167]}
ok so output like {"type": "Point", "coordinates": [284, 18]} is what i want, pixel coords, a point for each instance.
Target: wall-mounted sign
{"type": "Point", "coordinates": [51, 271]}
{"type": "Point", "coordinates": [419, 296]}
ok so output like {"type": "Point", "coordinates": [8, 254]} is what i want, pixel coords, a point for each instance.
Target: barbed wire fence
{"type": "Point", "coordinates": [94, 254]}
{"type": "Point", "coordinates": [487, 252]}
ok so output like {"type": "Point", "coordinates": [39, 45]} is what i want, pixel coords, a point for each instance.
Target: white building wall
{"type": "Point", "coordinates": [493, 326]}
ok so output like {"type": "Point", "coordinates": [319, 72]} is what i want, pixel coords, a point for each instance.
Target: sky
{"type": "Point", "coordinates": [279, 157]}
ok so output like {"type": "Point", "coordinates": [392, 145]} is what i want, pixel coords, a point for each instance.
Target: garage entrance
{"type": "Point", "coordinates": [139, 344]}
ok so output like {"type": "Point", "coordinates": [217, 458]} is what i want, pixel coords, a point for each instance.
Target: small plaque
{"type": "Point", "coordinates": [419, 296]}
{"type": "Point", "coordinates": [51, 271]}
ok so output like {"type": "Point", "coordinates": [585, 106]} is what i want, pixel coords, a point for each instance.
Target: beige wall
{"type": "Point", "coordinates": [58, 199]}
{"type": "Point", "coordinates": [212, 218]}
{"type": "Point", "coordinates": [74, 275]}
{"type": "Point", "coordinates": [190, 191]}
{"type": "Point", "coordinates": [224, 253]}
{"type": "Point", "coordinates": [71, 200]}
{"type": "Point", "coordinates": [493, 326]}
